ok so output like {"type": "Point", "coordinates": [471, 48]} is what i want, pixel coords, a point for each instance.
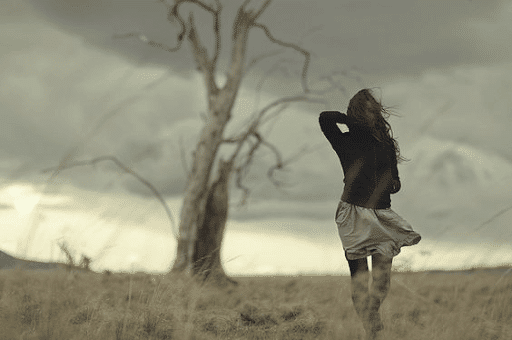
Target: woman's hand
{"type": "Point", "coordinates": [336, 115]}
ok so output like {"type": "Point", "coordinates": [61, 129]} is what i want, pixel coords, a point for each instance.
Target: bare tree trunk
{"type": "Point", "coordinates": [206, 259]}
{"type": "Point", "coordinates": [192, 211]}
{"type": "Point", "coordinates": [220, 103]}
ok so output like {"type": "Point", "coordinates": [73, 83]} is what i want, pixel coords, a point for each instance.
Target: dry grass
{"type": "Point", "coordinates": [58, 305]}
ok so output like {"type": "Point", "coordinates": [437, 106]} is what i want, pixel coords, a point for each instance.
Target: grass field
{"type": "Point", "coordinates": [61, 305]}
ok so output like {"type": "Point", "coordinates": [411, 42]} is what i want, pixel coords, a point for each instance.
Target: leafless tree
{"type": "Point", "coordinates": [205, 206]}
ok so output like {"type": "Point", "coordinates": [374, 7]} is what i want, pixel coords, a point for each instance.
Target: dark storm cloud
{"type": "Point", "coordinates": [55, 86]}
{"type": "Point", "coordinates": [380, 39]}
{"type": "Point", "coordinates": [389, 38]}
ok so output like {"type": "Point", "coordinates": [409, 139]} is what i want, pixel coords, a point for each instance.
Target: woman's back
{"type": "Point", "coordinates": [369, 166]}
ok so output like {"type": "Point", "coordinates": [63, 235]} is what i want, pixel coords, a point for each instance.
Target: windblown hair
{"type": "Point", "coordinates": [369, 112]}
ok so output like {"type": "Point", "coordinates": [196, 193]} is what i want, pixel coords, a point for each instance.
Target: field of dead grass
{"type": "Point", "coordinates": [59, 305]}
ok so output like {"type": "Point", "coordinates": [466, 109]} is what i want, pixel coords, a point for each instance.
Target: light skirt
{"type": "Point", "coordinates": [366, 231]}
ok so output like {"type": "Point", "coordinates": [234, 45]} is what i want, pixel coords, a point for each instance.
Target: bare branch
{"type": "Point", "coordinates": [252, 129]}
{"type": "Point", "coordinates": [274, 114]}
{"type": "Point", "coordinates": [183, 158]}
{"type": "Point", "coordinates": [197, 2]}
{"type": "Point", "coordinates": [271, 70]}
{"type": "Point", "coordinates": [270, 54]}
{"type": "Point", "coordinates": [240, 33]}
{"type": "Point", "coordinates": [244, 168]}
{"type": "Point", "coordinates": [335, 84]}
{"type": "Point", "coordinates": [216, 30]}
{"type": "Point", "coordinates": [127, 170]}
{"type": "Point", "coordinates": [306, 54]}
{"type": "Point", "coordinates": [242, 187]}
{"type": "Point", "coordinates": [174, 14]}
{"type": "Point", "coordinates": [152, 43]}
{"type": "Point", "coordinates": [240, 139]}
{"type": "Point", "coordinates": [231, 140]}
{"type": "Point", "coordinates": [262, 9]}
{"type": "Point", "coordinates": [103, 119]}
{"type": "Point", "coordinates": [291, 99]}
{"type": "Point", "coordinates": [496, 215]}
{"type": "Point", "coordinates": [199, 50]}
{"type": "Point", "coordinates": [123, 104]}
{"type": "Point", "coordinates": [280, 164]}
{"type": "Point", "coordinates": [252, 151]}
{"type": "Point", "coordinates": [65, 249]}
{"type": "Point", "coordinates": [258, 93]}
{"type": "Point", "coordinates": [259, 58]}
{"type": "Point", "coordinates": [201, 57]}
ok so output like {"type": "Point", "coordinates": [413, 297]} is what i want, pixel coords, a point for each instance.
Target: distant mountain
{"type": "Point", "coordinates": [9, 262]}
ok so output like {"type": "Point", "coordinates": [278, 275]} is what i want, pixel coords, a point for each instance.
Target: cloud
{"type": "Point", "coordinates": [470, 104]}
{"type": "Point", "coordinates": [57, 86]}
{"type": "Point", "coordinates": [381, 40]}
{"type": "Point", "coordinates": [55, 91]}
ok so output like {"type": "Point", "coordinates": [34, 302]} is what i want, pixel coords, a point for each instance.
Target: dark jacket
{"type": "Point", "coordinates": [370, 167]}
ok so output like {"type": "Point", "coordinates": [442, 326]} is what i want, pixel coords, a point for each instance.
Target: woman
{"type": "Point", "coordinates": [366, 224]}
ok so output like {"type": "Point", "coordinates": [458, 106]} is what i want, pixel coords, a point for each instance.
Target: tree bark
{"type": "Point", "coordinates": [192, 211]}
{"type": "Point", "coordinates": [220, 103]}
{"type": "Point", "coordinates": [207, 262]}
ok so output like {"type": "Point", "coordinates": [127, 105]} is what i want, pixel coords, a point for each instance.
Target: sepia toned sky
{"type": "Point", "coordinates": [68, 90]}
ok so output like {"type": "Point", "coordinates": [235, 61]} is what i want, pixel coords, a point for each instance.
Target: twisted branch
{"type": "Point", "coordinates": [127, 170]}
{"type": "Point", "coordinates": [280, 164]}
{"type": "Point", "coordinates": [259, 116]}
{"type": "Point", "coordinates": [306, 53]}
{"type": "Point", "coordinates": [207, 66]}
{"type": "Point", "coordinates": [252, 131]}
{"type": "Point", "coordinates": [197, 2]}
{"type": "Point", "coordinates": [259, 58]}
{"type": "Point", "coordinates": [242, 170]}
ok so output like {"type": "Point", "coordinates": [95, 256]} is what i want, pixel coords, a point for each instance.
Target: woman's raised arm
{"type": "Point", "coordinates": [328, 121]}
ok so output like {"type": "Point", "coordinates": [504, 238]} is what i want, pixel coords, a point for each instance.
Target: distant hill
{"type": "Point", "coordinates": [10, 262]}
{"type": "Point", "coordinates": [502, 270]}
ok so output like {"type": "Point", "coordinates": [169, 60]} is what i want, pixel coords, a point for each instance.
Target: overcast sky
{"type": "Point", "coordinates": [445, 68]}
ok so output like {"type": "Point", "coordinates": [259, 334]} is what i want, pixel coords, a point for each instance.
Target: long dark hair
{"type": "Point", "coordinates": [369, 112]}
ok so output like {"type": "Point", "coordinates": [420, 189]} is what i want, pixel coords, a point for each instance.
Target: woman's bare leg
{"type": "Point", "coordinates": [381, 274]}
{"type": "Point", "coordinates": [359, 283]}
